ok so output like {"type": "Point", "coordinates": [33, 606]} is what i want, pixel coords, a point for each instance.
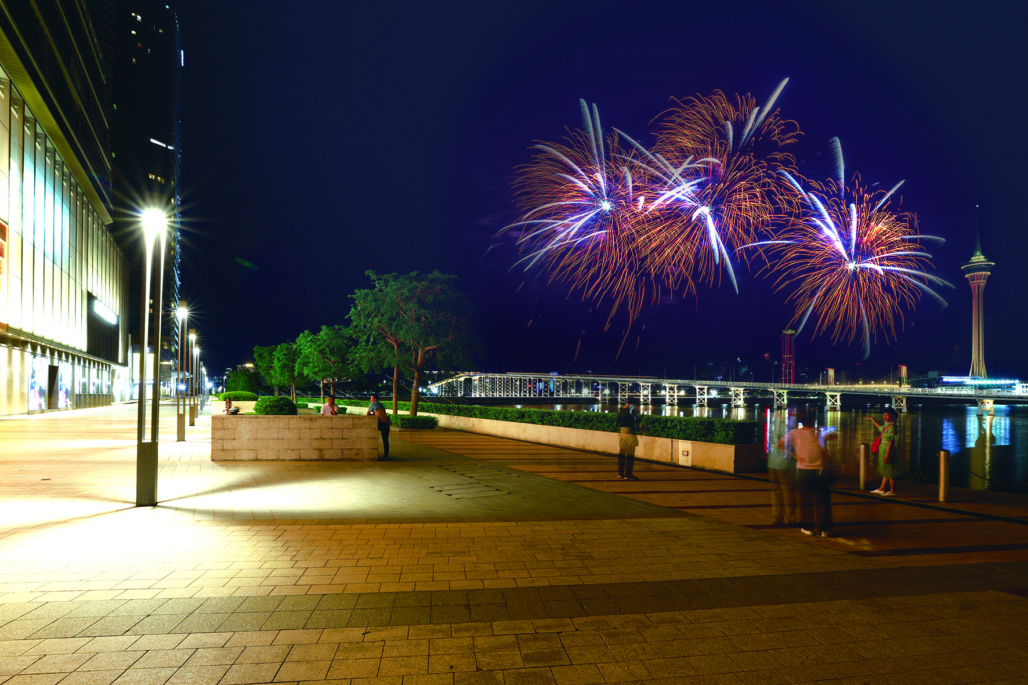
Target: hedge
{"type": "Point", "coordinates": [700, 429]}
{"type": "Point", "coordinates": [275, 406]}
{"type": "Point", "coordinates": [238, 396]}
{"type": "Point", "coordinates": [416, 422]}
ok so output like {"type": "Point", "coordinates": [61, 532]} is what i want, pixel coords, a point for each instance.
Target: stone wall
{"type": "Point", "coordinates": [293, 438]}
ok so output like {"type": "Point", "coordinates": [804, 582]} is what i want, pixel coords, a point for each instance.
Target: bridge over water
{"type": "Point", "coordinates": [529, 386]}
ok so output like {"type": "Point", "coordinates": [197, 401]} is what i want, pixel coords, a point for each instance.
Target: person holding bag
{"type": "Point", "coordinates": [885, 451]}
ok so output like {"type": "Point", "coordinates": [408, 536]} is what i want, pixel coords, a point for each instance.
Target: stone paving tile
{"type": "Point", "coordinates": [554, 598]}
{"type": "Point", "coordinates": [870, 526]}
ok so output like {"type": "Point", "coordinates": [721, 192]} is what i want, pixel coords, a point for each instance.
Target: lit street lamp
{"type": "Point", "coordinates": [155, 223]}
{"type": "Point", "coordinates": [180, 398]}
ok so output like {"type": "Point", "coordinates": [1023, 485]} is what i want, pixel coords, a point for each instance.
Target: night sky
{"type": "Point", "coordinates": [328, 138]}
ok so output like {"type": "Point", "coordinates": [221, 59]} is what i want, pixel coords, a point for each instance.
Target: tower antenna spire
{"type": "Point", "coordinates": [977, 270]}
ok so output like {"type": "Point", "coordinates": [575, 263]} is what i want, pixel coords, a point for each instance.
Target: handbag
{"type": "Point", "coordinates": [876, 444]}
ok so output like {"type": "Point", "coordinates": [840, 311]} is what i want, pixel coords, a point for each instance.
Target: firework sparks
{"type": "Point", "coordinates": [852, 264]}
{"type": "Point", "coordinates": [579, 202]}
{"type": "Point", "coordinates": [712, 177]}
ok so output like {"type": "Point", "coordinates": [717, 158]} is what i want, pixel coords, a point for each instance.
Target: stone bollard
{"type": "Point", "coordinates": [865, 464]}
{"type": "Point", "coordinates": [944, 475]}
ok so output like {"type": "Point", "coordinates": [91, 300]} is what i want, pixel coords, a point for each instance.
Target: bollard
{"type": "Point", "coordinates": [944, 475]}
{"type": "Point", "coordinates": [865, 463]}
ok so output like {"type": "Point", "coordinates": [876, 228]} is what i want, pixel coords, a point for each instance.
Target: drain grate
{"type": "Point", "coordinates": [472, 486]}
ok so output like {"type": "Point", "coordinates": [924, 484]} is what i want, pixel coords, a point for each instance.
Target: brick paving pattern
{"type": "Point", "coordinates": [471, 559]}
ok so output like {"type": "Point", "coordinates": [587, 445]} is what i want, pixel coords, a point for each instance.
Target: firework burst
{"type": "Point", "coordinates": [851, 263]}
{"type": "Point", "coordinates": [579, 200]}
{"type": "Point", "coordinates": [712, 183]}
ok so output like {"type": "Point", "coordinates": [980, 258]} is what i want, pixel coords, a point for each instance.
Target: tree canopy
{"type": "Point", "coordinates": [284, 367]}
{"type": "Point", "coordinates": [264, 361]}
{"type": "Point", "coordinates": [409, 322]}
{"type": "Point", "coordinates": [247, 380]}
{"type": "Point", "coordinates": [323, 356]}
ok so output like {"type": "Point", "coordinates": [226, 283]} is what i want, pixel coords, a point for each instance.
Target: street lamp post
{"type": "Point", "coordinates": [180, 399]}
{"type": "Point", "coordinates": [199, 382]}
{"type": "Point", "coordinates": [192, 376]}
{"type": "Point", "coordinates": [154, 225]}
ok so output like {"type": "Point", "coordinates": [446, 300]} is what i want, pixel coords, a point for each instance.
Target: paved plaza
{"type": "Point", "coordinates": [471, 559]}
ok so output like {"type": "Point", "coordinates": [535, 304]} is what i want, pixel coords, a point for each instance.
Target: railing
{"type": "Point", "coordinates": [512, 385]}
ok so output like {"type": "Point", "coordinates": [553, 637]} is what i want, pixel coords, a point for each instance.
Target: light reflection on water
{"type": "Point", "coordinates": [986, 452]}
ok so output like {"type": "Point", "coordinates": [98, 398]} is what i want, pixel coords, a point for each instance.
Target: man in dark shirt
{"type": "Point", "coordinates": [627, 441]}
{"type": "Point", "coordinates": [378, 410]}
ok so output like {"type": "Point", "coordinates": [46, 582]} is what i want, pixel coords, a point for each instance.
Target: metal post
{"type": "Point", "coordinates": [180, 399]}
{"type": "Point", "coordinates": [865, 464]}
{"type": "Point", "coordinates": [192, 376]}
{"type": "Point", "coordinates": [146, 452]}
{"type": "Point", "coordinates": [944, 475]}
{"type": "Point", "coordinates": [141, 393]}
{"type": "Point", "coordinates": [157, 316]}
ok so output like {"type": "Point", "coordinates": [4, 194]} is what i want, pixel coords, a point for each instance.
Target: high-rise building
{"type": "Point", "coordinates": [789, 356]}
{"type": "Point", "coordinates": [143, 61]}
{"type": "Point", "coordinates": [977, 270]}
{"type": "Point", "coordinates": [63, 278]}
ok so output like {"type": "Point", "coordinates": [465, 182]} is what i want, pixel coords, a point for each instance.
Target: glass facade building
{"type": "Point", "coordinates": [63, 279]}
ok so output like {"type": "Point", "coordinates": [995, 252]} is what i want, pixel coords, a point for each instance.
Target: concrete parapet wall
{"type": "Point", "coordinates": [294, 438]}
{"type": "Point", "coordinates": [705, 455]}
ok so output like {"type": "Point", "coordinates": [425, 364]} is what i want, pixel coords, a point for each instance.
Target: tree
{"type": "Point", "coordinates": [410, 322]}
{"type": "Point", "coordinates": [264, 358]}
{"type": "Point", "coordinates": [322, 356]}
{"type": "Point", "coordinates": [284, 367]}
{"type": "Point", "coordinates": [244, 379]}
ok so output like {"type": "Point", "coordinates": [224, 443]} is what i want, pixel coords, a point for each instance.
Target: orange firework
{"type": "Point", "coordinates": [851, 263]}
{"type": "Point", "coordinates": [712, 182]}
{"type": "Point", "coordinates": [579, 205]}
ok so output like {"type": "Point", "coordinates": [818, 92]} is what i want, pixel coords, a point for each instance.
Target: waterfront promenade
{"type": "Point", "coordinates": [471, 559]}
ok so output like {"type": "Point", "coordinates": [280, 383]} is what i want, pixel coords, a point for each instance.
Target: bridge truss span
{"type": "Point", "coordinates": [521, 387]}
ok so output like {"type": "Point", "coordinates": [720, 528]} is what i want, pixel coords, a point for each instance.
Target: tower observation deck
{"type": "Point", "coordinates": [977, 270]}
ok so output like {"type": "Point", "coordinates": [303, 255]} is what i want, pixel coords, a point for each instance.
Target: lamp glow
{"type": "Point", "coordinates": [182, 313]}
{"type": "Point", "coordinates": [155, 222]}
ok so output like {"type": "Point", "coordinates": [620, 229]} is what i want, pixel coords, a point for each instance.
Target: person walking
{"type": "Point", "coordinates": [887, 453]}
{"type": "Point", "coordinates": [627, 441]}
{"type": "Point", "coordinates": [378, 410]}
{"type": "Point", "coordinates": [814, 497]}
{"type": "Point", "coordinates": [329, 408]}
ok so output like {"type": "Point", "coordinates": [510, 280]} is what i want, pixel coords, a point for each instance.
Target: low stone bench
{"type": "Point", "coordinates": [294, 438]}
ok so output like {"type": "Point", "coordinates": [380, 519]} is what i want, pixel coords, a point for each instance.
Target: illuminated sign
{"type": "Point", "coordinates": [104, 313]}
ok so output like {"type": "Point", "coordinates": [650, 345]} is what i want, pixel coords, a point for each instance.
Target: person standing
{"type": "Point", "coordinates": [814, 496]}
{"type": "Point", "coordinates": [781, 469]}
{"type": "Point", "coordinates": [329, 408]}
{"type": "Point", "coordinates": [887, 453]}
{"type": "Point", "coordinates": [627, 441]}
{"type": "Point", "coordinates": [378, 410]}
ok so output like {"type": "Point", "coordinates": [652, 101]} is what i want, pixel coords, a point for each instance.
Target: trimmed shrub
{"type": "Point", "coordinates": [700, 429]}
{"type": "Point", "coordinates": [301, 405]}
{"type": "Point", "coordinates": [415, 422]}
{"type": "Point", "coordinates": [275, 406]}
{"type": "Point", "coordinates": [238, 396]}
